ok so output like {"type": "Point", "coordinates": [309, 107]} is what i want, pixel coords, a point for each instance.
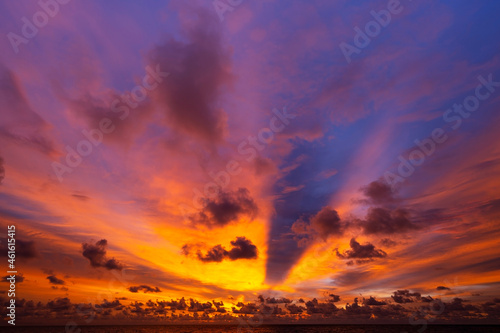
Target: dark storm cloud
{"type": "Point", "coordinates": [227, 207]}
{"type": "Point", "coordinates": [96, 254]}
{"type": "Point", "coordinates": [378, 192]}
{"type": "Point", "coordinates": [199, 68]}
{"type": "Point", "coordinates": [54, 280]}
{"type": "Point", "coordinates": [370, 307]}
{"type": "Point", "coordinates": [144, 288]}
{"type": "Point", "coordinates": [242, 248]}
{"type": "Point", "coordinates": [324, 224]}
{"type": "Point", "coordinates": [24, 249]}
{"type": "Point", "coordinates": [384, 221]}
{"type": "Point", "coordinates": [361, 252]}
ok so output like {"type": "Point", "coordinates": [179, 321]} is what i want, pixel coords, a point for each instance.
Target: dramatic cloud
{"type": "Point", "coordinates": [144, 288]}
{"type": "Point", "coordinates": [405, 296]}
{"type": "Point", "coordinates": [378, 192]}
{"type": "Point", "coordinates": [384, 221]}
{"type": "Point", "coordinates": [54, 280]}
{"type": "Point", "coordinates": [24, 249]}
{"type": "Point", "coordinates": [324, 224]}
{"type": "Point", "coordinates": [110, 305]}
{"type": "Point", "coordinates": [242, 248]}
{"type": "Point", "coordinates": [199, 68]}
{"type": "Point", "coordinates": [361, 252]}
{"type": "Point", "coordinates": [315, 307]}
{"type": "Point", "coordinates": [227, 207]}
{"type": "Point", "coordinates": [373, 301]}
{"type": "Point", "coordinates": [282, 300]}
{"type": "Point", "coordinates": [96, 254]}
{"type": "Point", "coordinates": [60, 304]}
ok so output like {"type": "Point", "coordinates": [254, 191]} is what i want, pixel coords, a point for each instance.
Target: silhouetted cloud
{"type": "Point", "coordinates": [373, 301]}
{"type": "Point", "coordinates": [96, 254]}
{"type": "Point", "coordinates": [361, 252]}
{"type": "Point", "coordinates": [242, 248]}
{"type": "Point", "coordinates": [227, 207]}
{"type": "Point", "coordinates": [54, 280]}
{"type": "Point", "coordinates": [315, 307]}
{"type": "Point", "coordinates": [60, 304]}
{"type": "Point", "coordinates": [405, 296]}
{"type": "Point", "coordinates": [378, 192]}
{"type": "Point", "coordinates": [144, 288]}
{"type": "Point", "coordinates": [442, 288]}
{"type": "Point", "coordinates": [324, 224]}
{"type": "Point", "coordinates": [282, 300]}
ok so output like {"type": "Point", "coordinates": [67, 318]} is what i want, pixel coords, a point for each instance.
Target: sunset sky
{"type": "Point", "coordinates": [265, 153]}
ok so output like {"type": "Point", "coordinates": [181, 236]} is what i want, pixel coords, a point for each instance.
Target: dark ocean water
{"type": "Point", "coordinates": [262, 329]}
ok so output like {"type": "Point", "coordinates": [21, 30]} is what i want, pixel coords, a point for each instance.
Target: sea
{"type": "Point", "coordinates": [261, 329]}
